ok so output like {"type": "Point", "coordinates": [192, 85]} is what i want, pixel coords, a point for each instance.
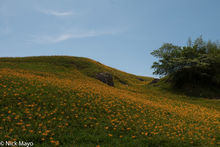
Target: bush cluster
{"type": "Point", "coordinates": [194, 64]}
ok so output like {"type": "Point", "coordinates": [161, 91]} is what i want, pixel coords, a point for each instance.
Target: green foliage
{"type": "Point", "coordinates": [194, 64]}
{"type": "Point", "coordinates": [53, 101]}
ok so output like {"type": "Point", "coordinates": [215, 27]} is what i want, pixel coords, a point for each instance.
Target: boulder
{"type": "Point", "coordinates": [140, 79]}
{"type": "Point", "coordinates": [155, 80]}
{"type": "Point", "coordinates": [106, 78]}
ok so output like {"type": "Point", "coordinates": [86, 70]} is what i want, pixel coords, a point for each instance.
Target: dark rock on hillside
{"type": "Point", "coordinates": [140, 79]}
{"type": "Point", "coordinates": [155, 80]}
{"type": "Point", "coordinates": [105, 77]}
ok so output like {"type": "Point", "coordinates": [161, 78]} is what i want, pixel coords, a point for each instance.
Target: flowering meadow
{"type": "Point", "coordinates": [55, 101]}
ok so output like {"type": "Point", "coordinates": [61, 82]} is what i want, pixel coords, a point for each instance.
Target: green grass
{"type": "Point", "coordinates": [56, 100]}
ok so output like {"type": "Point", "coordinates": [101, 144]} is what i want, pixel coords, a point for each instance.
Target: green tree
{"type": "Point", "coordinates": [197, 63]}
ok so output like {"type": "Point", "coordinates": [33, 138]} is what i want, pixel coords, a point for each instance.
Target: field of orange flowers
{"type": "Point", "coordinates": [72, 109]}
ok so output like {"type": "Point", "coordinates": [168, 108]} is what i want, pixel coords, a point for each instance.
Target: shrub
{"type": "Point", "coordinates": [195, 64]}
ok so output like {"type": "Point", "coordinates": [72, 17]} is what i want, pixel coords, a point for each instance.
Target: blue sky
{"type": "Point", "coordinates": [118, 33]}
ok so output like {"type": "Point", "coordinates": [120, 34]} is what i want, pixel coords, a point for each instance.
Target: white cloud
{"type": "Point", "coordinates": [58, 13]}
{"type": "Point", "coordinates": [45, 39]}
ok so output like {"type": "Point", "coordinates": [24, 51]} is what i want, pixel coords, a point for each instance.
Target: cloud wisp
{"type": "Point", "coordinates": [58, 13]}
{"type": "Point", "coordinates": [47, 39]}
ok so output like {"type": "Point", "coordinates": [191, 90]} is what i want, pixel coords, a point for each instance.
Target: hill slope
{"type": "Point", "coordinates": [57, 101]}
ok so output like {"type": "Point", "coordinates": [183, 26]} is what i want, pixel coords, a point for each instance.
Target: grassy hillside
{"type": "Point", "coordinates": [57, 101]}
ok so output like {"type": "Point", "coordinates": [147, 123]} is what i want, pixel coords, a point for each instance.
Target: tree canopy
{"type": "Point", "coordinates": [196, 63]}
